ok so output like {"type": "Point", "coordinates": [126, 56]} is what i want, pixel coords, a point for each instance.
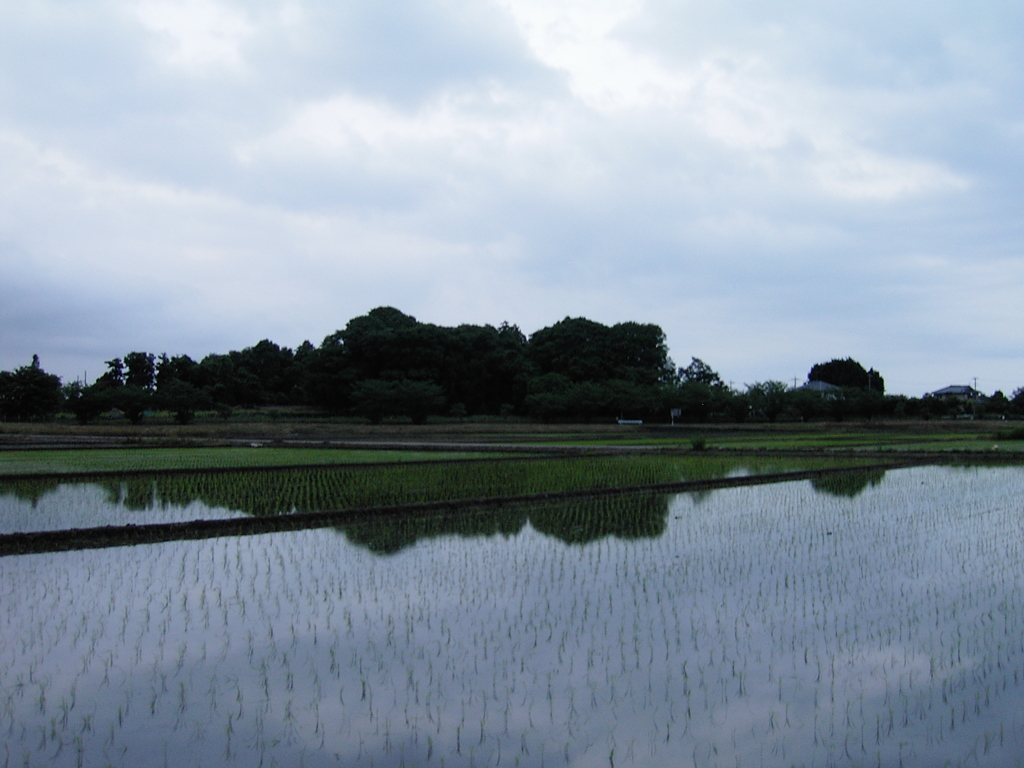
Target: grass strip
{"type": "Point", "coordinates": [120, 460]}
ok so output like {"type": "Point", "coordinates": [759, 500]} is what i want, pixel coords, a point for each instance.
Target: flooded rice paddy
{"type": "Point", "coordinates": [862, 620]}
{"type": "Point", "coordinates": [56, 503]}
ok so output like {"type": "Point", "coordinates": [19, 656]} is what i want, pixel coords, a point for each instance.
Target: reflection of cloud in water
{"type": "Point", "coordinates": [769, 625]}
{"type": "Point", "coordinates": [54, 506]}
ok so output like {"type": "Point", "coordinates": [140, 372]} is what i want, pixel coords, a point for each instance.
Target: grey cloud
{"type": "Point", "coordinates": [784, 217]}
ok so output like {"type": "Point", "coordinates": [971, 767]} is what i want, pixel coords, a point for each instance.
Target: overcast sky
{"type": "Point", "coordinates": [774, 184]}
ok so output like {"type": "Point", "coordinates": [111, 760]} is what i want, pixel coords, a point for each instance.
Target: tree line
{"type": "Point", "coordinates": [387, 364]}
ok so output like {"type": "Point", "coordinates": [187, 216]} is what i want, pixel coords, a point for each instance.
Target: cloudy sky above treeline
{"type": "Point", "coordinates": [774, 184]}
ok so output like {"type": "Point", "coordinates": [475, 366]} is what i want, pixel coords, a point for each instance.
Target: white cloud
{"type": "Point", "coordinates": [197, 35]}
{"type": "Point", "coordinates": [745, 175]}
{"type": "Point", "coordinates": [578, 38]}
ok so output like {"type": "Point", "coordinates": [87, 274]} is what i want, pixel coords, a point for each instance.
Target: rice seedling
{"type": "Point", "coordinates": [38, 505]}
{"type": "Point", "coordinates": [761, 626]}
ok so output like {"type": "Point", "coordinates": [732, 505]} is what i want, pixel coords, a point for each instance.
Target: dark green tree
{"type": "Point", "coordinates": [700, 394]}
{"type": "Point", "coordinates": [809, 405]}
{"type": "Point", "coordinates": [141, 370]}
{"type": "Point", "coordinates": [134, 401]}
{"type": "Point", "coordinates": [998, 404]}
{"type": "Point", "coordinates": [484, 368]}
{"type": "Point", "coordinates": [178, 368]}
{"type": "Point", "coordinates": [549, 397]}
{"type": "Point", "coordinates": [768, 398]}
{"type": "Point", "coordinates": [847, 373]}
{"type": "Point", "coordinates": [86, 403]}
{"type": "Point", "coordinates": [377, 399]}
{"type": "Point", "coordinates": [575, 347]}
{"type": "Point", "coordinates": [699, 372]}
{"type": "Point", "coordinates": [583, 369]}
{"type": "Point", "coordinates": [114, 375]}
{"type": "Point", "coordinates": [29, 393]}
{"type": "Point", "coordinates": [183, 399]}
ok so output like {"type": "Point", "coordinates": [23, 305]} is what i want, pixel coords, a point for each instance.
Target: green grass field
{"type": "Point", "coordinates": [146, 459]}
{"type": "Point", "coordinates": [147, 448]}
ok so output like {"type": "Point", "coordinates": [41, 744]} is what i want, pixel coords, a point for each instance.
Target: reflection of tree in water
{"type": "Point", "coordinates": [387, 535]}
{"type": "Point", "coordinates": [275, 492]}
{"type": "Point", "coordinates": [578, 521]}
{"type": "Point", "coordinates": [135, 493]}
{"type": "Point", "coordinates": [848, 484]}
{"type": "Point", "coordinates": [28, 490]}
{"type": "Point", "coordinates": [263, 494]}
{"type": "Point", "coordinates": [255, 493]}
{"type": "Point", "coordinates": [583, 520]}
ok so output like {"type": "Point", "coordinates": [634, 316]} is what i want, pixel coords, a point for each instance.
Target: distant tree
{"type": "Point", "coordinates": [867, 403]}
{"type": "Point", "coordinates": [847, 373]}
{"type": "Point", "coordinates": [700, 372]}
{"type": "Point", "coordinates": [82, 402]}
{"type": "Point", "coordinates": [378, 398]}
{"type": "Point", "coordinates": [141, 370]}
{"type": "Point", "coordinates": [126, 385]}
{"type": "Point", "coordinates": [768, 398]}
{"type": "Point", "coordinates": [268, 373]}
{"type": "Point", "coordinates": [699, 394]}
{"type": "Point", "coordinates": [420, 399]}
{"type": "Point", "coordinates": [549, 397]}
{"type": "Point", "coordinates": [583, 369]}
{"type": "Point", "coordinates": [1017, 401]}
{"type": "Point", "coordinates": [113, 376]}
{"type": "Point", "coordinates": [178, 368]}
{"type": "Point", "coordinates": [183, 399]}
{"type": "Point", "coordinates": [695, 400]}
{"type": "Point", "coordinates": [738, 406]}
{"type": "Point", "coordinates": [134, 401]}
{"type": "Point", "coordinates": [584, 350]}
{"type": "Point", "coordinates": [388, 345]}
{"type": "Point", "coordinates": [937, 407]}
{"type": "Point", "coordinates": [998, 404]}
{"type": "Point", "coordinates": [480, 369]}
{"type": "Point", "coordinates": [638, 352]}
{"type": "Point", "coordinates": [809, 405]}
{"type": "Point", "coordinates": [483, 367]}
{"type": "Point", "coordinates": [29, 393]}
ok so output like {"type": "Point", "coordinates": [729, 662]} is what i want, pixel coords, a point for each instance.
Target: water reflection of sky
{"type": "Point", "coordinates": [767, 625]}
{"type": "Point", "coordinates": [61, 506]}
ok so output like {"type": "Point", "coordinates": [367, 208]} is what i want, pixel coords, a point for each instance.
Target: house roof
{"type": "Point", "coordinates": [820, 386]}
{"type": "Point", "coordinates": [957, 390]}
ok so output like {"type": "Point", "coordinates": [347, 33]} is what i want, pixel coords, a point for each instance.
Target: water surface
{"type": "Point", "coordinates": [769, 625]}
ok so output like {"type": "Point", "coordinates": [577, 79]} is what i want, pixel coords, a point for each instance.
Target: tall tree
{"type": "Point", "coordinates": [141, 370]}
{"type": "Point", "coordinates": [29, 393]}
{"type": "Point", "coordinates": [847, 373]}
{"type": "Point", "coordinates": [699, 372]}
{"type": "Point", "coordinates": [113, 377]}
{"type": "Point", "coordinates": [575, 347]}
{"type": "Point", "coordinates": [768, 398]}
